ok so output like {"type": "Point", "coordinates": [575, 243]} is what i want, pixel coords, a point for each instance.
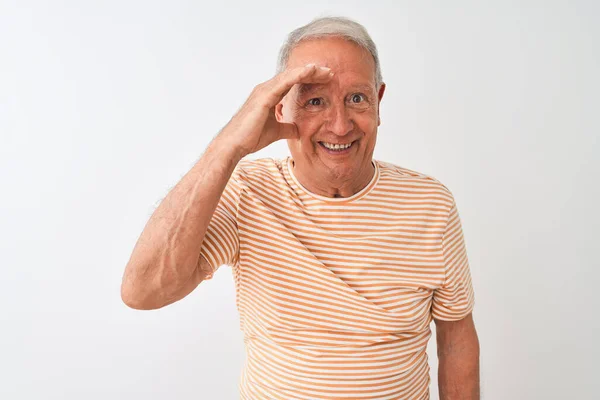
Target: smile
{"type": "Point", "coordinates": [337, 147]}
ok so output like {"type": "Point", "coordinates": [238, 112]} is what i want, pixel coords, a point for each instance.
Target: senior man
{"type": "Point", "coordinates": [340, 261]}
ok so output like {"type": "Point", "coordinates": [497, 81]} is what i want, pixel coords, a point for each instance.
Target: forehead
{"type": "Point", "coordinates": [352, 64]}
{"type": "Point", "coordinates": [309, 89]}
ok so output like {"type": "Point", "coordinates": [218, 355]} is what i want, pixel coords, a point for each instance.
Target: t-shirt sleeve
{"type": "Point", "coordinates": [455, 299]}
{"type": "Point", "coordinates": [221, 240]}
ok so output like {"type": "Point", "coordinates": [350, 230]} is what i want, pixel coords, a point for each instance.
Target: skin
{"type": "Point", "coordinates": [458, 358]}
{"type": "Point", "coordinates": [343, 110]}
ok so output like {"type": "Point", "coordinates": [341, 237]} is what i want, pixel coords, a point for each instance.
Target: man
{"type": "Point", "coordinates": [340, 261]}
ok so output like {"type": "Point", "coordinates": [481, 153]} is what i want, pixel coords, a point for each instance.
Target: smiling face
{"type": "Point", "coordinates": [343, 111]}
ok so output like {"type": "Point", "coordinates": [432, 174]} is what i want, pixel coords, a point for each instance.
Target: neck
{"type": "Point", "coordinates": [331, 185]}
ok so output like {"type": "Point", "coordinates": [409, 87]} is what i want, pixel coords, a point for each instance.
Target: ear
{"type": "Point", "coordinates": [279, 111]}
{"type": "Point", "coordinates": [379, 97]}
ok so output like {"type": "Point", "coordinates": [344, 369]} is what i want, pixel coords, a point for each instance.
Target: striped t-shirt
{"type": "Point", "coordinates": [336, 295]}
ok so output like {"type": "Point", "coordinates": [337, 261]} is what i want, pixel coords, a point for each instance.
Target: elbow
{"type": "Point", "coordinates": [145, 294]}
{"type": "Point", "coordinates": [130, 300]}
{"type": "Point", "coordinates": [137, 301]}
{"type": "Point", "coordinates": [138, 293]}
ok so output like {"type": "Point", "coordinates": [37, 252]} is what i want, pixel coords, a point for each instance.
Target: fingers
{"type": "Point", "coordinates": [288, 131]}
{"type": "Point", "coordinates": [283, 82]}
{"type": "Point", "coordinates": [310, 73]}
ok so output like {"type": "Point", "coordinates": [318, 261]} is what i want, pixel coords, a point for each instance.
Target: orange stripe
{"type": "Point", "coordinates": [336, 296]}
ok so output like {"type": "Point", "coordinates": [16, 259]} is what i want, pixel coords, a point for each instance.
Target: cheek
{"type": "Point", "coordinates": [366, 122]}
{"type": "Point", "coordinates": [308, 123]}
{"type": "Point", "coordinates": [369, 125]}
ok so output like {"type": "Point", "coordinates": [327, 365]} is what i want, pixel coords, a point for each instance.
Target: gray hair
{"type": "Point", "coordinates": [330, 26]}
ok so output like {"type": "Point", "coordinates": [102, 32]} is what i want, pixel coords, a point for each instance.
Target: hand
{"type": "Point", "coordinates": [254, 126]}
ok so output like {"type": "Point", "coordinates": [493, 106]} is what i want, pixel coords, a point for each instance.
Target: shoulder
{"type": "Point", "coordinates": [394, 174]}
{"type": "Point", "coordinates": [258, 170]}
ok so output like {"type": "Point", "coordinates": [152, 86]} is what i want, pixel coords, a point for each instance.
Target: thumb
{"type": "Point", "coordinates": [288, 131]}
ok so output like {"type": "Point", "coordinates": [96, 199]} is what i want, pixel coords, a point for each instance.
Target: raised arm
{"type": "Point", "coordinates": [165, 264]}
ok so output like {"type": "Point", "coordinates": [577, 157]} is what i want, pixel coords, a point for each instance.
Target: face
{"type": "Point", "coordinates": [343, 111]}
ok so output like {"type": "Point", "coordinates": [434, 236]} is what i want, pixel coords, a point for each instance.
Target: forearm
{"type": "Point", "coordinates": [166, 253]}
{"type": "Point", "coordinates": [458, 371]}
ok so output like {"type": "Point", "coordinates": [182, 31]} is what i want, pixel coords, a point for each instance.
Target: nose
{"type": "Point", "coordinates": [338, 120]}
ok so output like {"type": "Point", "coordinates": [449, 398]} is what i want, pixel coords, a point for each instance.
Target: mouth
{"type": "Point", "coordinates": [338, 148]}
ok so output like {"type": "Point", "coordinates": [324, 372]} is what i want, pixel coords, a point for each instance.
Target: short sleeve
{"type": "Point", "coordinates": [455, 299]}
{"type": "Point", "coordinates": [221, 241]}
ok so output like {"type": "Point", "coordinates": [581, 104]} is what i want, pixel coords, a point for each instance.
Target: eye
{"type": "Point", "coordinates": [315, 102]}
{"type": "Point", "coordinates": [357, 98]}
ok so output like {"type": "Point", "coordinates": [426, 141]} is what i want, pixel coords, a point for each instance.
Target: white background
{"type": "Point", "coordinates": [105, 105]}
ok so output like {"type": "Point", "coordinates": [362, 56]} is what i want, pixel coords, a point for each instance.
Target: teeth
{"type": "Point", "coordinates": [336, 146]}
